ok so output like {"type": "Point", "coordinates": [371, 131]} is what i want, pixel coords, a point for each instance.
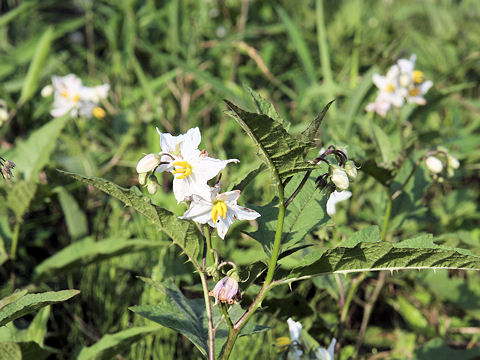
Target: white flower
{"type": "Point", "coordinates": [402, 83]}
{"type": "Point", "coordinates": [326, 354]}
{"type": "Point", "coordinates": [66, 95]}
{"type": "Point", "coordinates": [71, 95]}
{"type": "Point", "coordinates": [340, 179]}
{"type": "Point", "coordinates": [336, 197]}
{"type": "Point", "coordinates": [434, 165]}
{"type": "Point", "coordinates": [190, 167]}
{"type": "Point", "coordinates": [218, 210]}
{"type": "Point", "coordinates": [295, 328]}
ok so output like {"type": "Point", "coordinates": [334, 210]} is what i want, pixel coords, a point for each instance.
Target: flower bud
{"type": "Point", "coordinates": [340, 179]}
{"type": "Point", "coordinates": [351, 170]}
{"type": "Point", "coordinates": [47, 91]}
{"type": "Point", "coordinates": [452, 162]}
{"type": "Point", "coordinates": [152, 184]}
{"type": "Point", "coordinates": [148, 163]}
{"type": "Point", "coordinates": [226, 290]}
{"type": "Point", "coordinates": [142, 178]}
{"type": "Point", "coordinates": [434, 165]}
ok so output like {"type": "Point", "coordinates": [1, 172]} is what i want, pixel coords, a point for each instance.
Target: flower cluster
{"type": "Point", "coordinates": [192, 169]}
{"type": "Point", "coordinates": [296, 349]}
{"type": "Point", "coordinates": [340, 175]}
{"type": "Point", "coordinates": [5, 168]}
{"type": "Point", "coordinates": [401, 84]}
{"type": "Point", "coordinates": [439, 161]}
{"type": "Point", "coordinates": [70, 95]}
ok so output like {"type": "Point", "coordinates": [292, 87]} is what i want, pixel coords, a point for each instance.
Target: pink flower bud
{"type": "Point", "coordinates": [226, 290]}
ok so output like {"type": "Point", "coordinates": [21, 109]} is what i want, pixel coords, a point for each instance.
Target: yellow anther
{"type": "Point", "coordinates": [418, 77]}
{"type": "Point", "coordinates": [183, 168]}
{"type": "Point", "coordinates": [219, 208]}
{"type": "Point", "coordinates": [99, 113]}
{"type": "Point", "coordinates": [76, 98]}
{"type": "Point", "coordinates": [390, 87]}
{"type": "Point", "coordinates": [64, 94]}
{"type": "Point", "coordinates": [414, 92]}
{"type": "Point", "coordinates": [283, 341]}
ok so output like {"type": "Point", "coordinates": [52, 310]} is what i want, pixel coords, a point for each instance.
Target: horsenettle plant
{"type": "Point", "coordinates": [303, 182]}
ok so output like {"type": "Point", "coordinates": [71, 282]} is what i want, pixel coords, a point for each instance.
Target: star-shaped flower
{"type": "Point", "coordinates": [218, 210]}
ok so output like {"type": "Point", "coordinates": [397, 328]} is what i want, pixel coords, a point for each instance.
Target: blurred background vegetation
{"type": "Point", "coordinates": [170, 64]}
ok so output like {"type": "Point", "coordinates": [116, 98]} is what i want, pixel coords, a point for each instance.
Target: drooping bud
{"type": "Point", "coordinates": [340, 179]}
{"type": "Point", "coordinates": [148, 163]}
{"type": "Point", "coordinates": [5, 168]}
{"type": "Point", "coordinates": [142, 178]}
{"type": "Point", "coordinates": [453, 162]}
{"type": "Point", "coordinates": [152, 184]}
{"type": "Point", "coordinates": [434, 165]}
{"type": "Point", "coordinates": [226, 290]}
{"type": "Point", "coordinates": [351, 170]}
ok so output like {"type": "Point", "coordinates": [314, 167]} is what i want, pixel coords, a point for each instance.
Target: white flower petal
{"type": "Point", "coordinates": [229, 196]}
{"type": "Point", "coordinates": [295, 328]}
{"type": "Point", "coordinates": [243, 213]}
{"type": "Point", "coordinates": [200, 211]}
{"type": "Point", "coordinates": [334, 198]}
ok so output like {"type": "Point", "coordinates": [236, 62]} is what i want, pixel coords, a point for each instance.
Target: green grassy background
{"type": "Point", "coordinates": [170, 64]}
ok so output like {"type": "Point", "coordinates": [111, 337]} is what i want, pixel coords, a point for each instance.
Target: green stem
{"type": "Point", "coordinates": [278, 236]}
{"type": "Point", "coordinates": [208, 308]}
{"type": "Point", "coordinates": [16, 231]}
{"type": "Point", "coordinates": [386, 219]}
{"type": "Point", "coordinates": [268, 284]}
{"type": "Point", "coordinates": [216, 277]}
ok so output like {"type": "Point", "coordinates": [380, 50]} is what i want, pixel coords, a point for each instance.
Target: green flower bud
{"type": "Point", "coordinates": [152, 184]}
{"type": "Point", "coordinates": [351, 170]}
{"type": "Point", "coordinates": [142, 178]}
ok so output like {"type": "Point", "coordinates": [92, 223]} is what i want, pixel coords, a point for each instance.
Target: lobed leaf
{"type": "Point", "coordinates": [375, 256]}
{"type": "Point", "coordinates": [183, 233]}
{"type": "Point", "coordinates": [32, 302]}
{"type": "Point", "coordinates": [264, 107]}
{"type": "Point", "coordinates": [282, 153]}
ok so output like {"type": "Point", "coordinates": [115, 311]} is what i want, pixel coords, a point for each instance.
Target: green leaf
{"type": "Point", "coordinates": [41, 52]}
{"type": "Point", "coordinates": [22, 351]}
{"type": "Point", "coordinates": [374, 256]}
{"type": "Point", "coordinates": [74, 216]}
{"type": "Point", "coordinates": [32, 302]}
{"type": "Point", "coordinates": [368, 234]}
{"type": "Point", "coordinates": [264, 107]}
{"type": "Point", "coordinates": [384, 144]}
{"type": "Point", "coordinates": [31, 156]}
{"type": "Point", "coordinates": [242, 183]}
{"type": "Point", "coordinates": [283, 154]}
{"type": "Point", "coordinates": [20, 196]}
{"type": "Point", "coordinates": [437, 349]}
{"type": "Point", "coordinates": [87, 251]}
{"type": "Point", "coordinates": [183, 233]}
{"type": "Point", "coordinates": [177, 312]}
{"type": "Point", "coordinates": [311, 133]}
{"type": "Point", "coordinates": [12, 14]}
{"type": "Point", "coordinates": [112, 344]}
{"type": "Point", "coordinates": [380, 173]}
{"type": "Point", "coordinates": [12, 298]}
{"type": "Point", "coordinates": [304, 214]}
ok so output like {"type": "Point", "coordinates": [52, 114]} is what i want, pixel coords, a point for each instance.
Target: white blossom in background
{"type": "Point", "coordinates": [218, 210]}
{"type": "Point", "coordinates": [336, 197]}
{"type": "Point", "coordinates": [401, 84]}
{"type": "Point", "coordinates": [295, 328]}
{"type": "Point", "coordinates": [326, 354]}
{"type": "Point", "coordinates": [70, 95]}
